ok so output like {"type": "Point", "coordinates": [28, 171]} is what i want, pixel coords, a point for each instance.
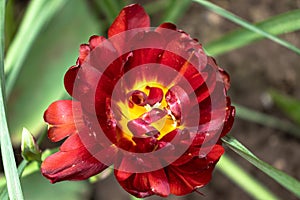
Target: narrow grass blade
{"type": "Point", "coordinates": [276, 25]}
{"type": "Point", "coordinates": [288, 105]}
{"type": "Point", "coordinates": [156, 6]}
{"type": "Point", "coordinates": [267, 120]}
{"type": "Point", "coordinates": [243, 179]}
{"type": "Point", "coordinates": [51, 54]}
{"type": "Point", "coordinates": [282, 178]}
{"type": "Point", "coordinates": [25, 169]}
{"type": "Point", "coordinates": [31, 12]}
{"type": "Point", "coordinates": [245, 24]}
{"type": "Point", "coordinates": [176, 9]}
{"type": "Point", "coordinates": [10, 169]}
{"type": "Point", "coordinates": [19, 49]}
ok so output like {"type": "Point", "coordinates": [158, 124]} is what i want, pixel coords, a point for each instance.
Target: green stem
{"type": "Point", "coordinates": [244, 180]}
{"type": "Point", "coordinates": [224, 13]}
{"type": "Point", "coordinates": [10, 168]}
{"type": "Point", "coordinates": [134, 198]}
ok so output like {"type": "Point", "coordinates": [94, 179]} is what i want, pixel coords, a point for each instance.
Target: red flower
{"type": "Point", "coordinates": [146, 100]}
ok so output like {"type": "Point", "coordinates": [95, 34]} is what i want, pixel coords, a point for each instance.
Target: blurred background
{"type": "Point", "coordinates": [265, 80]}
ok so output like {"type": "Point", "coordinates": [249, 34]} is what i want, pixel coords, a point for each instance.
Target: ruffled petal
{"type": "Point", "coordinates": [196, 173]}
{"type": "Point", "coordinates": [145, 184]}
{"type": "Point", "coordinates": [135, 184]}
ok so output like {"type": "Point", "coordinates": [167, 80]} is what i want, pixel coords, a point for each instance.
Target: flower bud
{"type": "Point", "coordinates": [29, 147]}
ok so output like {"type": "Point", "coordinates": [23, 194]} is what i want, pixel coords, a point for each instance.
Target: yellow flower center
{"type": "Point", "coordinates": [155, 116]}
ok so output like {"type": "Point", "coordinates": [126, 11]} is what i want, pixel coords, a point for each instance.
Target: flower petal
{"type": "Point", "coordinates": [159, 183]}
{"type": "Point", "coordinates": [155, 95]}
{"type": "Point", "coordinates": [77, 164]}
{"type": "Point", "coordinates": [60, 117]}
{"type": "Point", "coordinates": [130, 17]}
{"type": "Point", "coordinates": [135, 184]}
{"type": "Point", "coordinates": [194, 174]}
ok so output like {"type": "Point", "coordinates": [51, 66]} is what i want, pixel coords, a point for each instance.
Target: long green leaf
{"type": "Point", "coordinates": [10, 168]}
{"type": "Point", "coordinates": [17, 50]}
{"type": "Point", "coordinates": [245, 24]}
{"type": "Point", "coordinates": [267, 120]}
{"type": "Point", "coordinates": [41, 79]}
{"type": "Point", "coordinates": [282, 178]}
{"type": "Point", "coordinates": [25, 169]}
{"type": "Point", "coordinates": [243, 179]}
{"type": "Point", "coordinates": [288, 105]}
{"type": "Point", "coordinates": [176, 9]}
{"type": "Point", "coordinates": [283, 23]}
{"type": "Point", "coordinates": [32, 24]}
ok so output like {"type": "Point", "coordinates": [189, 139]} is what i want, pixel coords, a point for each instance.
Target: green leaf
{"type": "Point", "coordinates": [176, 10]}
{"type": "Point", "coordinates": [230, 16]}
{"type": "Point", "coordinates": [287, 104]}
{"type": "Point", "coordinates": [37, 187]}
{"type": "Point", "coordinates": [156, 6]}
{"type": "Point", "coordinates": [134, 198]}
{"type": "Point", "coordinates": [283, 23]}
{"type": "Point", "coordinates": [267, 120]}
{"type": "Point", "coordinates": [34, 20]}
{"type": "Point", "coordinates": [25, 169]}
{"type": "Point", "coordinates": [243, 179]}
{"type": "Point", "coordinates": [10, 169]}
{"type": "Point", "coordinates": [41, 78]}
{"type": "Point", "coordinates": [282, 178]}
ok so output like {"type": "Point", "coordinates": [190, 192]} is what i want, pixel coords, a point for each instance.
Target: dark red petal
{"type": "Point", "coordinates": [182, 49]}
{"type": "Point", "coordinates": [59, 116]}
{"type": "Point", "coordinates": [155, 95]}
{"type": "Point", "coordinates": [181, 184]}
{"type": "Point", "coordinates": [141, 182]}
{"type": "Point", "coordinates": [130, 17]}
{"type": "Point", "coordinates": [147, 48]}
{"type": "Point", "coordinates": [140, 128]}
{"type": "Point", "coordinates": [76, 164]}
{"type": "Point", "coordinates": [226, 78]}
{"type": "Point", "coordinates": [132, 184]}
{"type": "Point", "coordinates": [194, 174]}
{"type": "Point", "coordinates": [95, 41]}
{"type": "Point", "coordinates": [159, 182]}
{"type": "Point", "coordinates": [167, 25]}
{"type": "Point", "coordinates": [230, 113]}
{"type": "Point", "coordinates": [121, 175]}
{"type": "Point", "coordinates": [138, 98]}
{"type": "Point", "coordinates": [178, 185]}
{"type": "Point", "coordinates": [84, 51]}
{"type": "Point", "coordinates": [144, 145]}
{"type": "Point", "coordinates": [153, 115]}
{"type": "Point", "coordinates": [178, 102]}
{"type": "Point", "coordinates": [70, 78]}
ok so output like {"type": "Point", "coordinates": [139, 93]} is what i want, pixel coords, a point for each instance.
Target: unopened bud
{"type": "Point", "coordinates": [30, 149]}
